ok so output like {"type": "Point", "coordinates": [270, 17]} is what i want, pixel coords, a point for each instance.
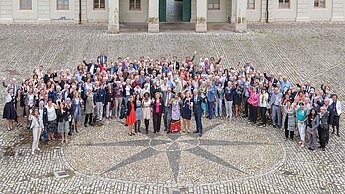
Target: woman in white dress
{"type": "Point", "coordinates": [146, 107]}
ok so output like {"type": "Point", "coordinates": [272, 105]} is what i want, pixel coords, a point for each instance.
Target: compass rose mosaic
{"type": "Point", "coordinates": [224, 152]}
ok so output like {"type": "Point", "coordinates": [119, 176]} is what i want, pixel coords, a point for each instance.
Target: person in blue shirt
{"type": "Point", "coordinates": [100, 100]}
{"type": "Point", "coordinates": [210, 96]}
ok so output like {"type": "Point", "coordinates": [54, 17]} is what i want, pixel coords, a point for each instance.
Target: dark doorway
{"type": "Point", "coordinates": [174, 11]}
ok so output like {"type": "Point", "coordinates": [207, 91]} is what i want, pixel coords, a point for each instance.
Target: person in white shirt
{"type": "Point", "coordinates": [263, 103]}
{"type": "Point", "coordinates": [37, 127]}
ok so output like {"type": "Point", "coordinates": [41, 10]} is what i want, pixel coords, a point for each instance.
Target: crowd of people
{"type": "Point", "coordinates": [168, 91]}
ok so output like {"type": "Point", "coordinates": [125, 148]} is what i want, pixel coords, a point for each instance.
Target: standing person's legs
{"type": "Point", "coordinates": [118, 106]}
{"type": "Point", "coordinates": [255, 114]}
{"type": "Point", "coordinates": [337, 118]}
{"type": "Point", "coordinates": [230, 108]}
{"type": "Point", "coordinates": [227, 108]}
{"type": "Point", "coordinates": [263, 115]}
{"type": "Point", "coordinates": [147, 122]}
{"type": "Point", "coordinates": [107, 112]}
{"type": "Point", "coordinates": [313, 140]}
{"type": "Point", "coordinates": [159, 121]}
{"type": "Point", "coordinates": [326, 134]}
{"type": "Point", "coordinates": [322, 137]}
{"type": "Point", "coordinates": [250, 112]}
{"type": "Point", "coordinates": [210, 109]}
{"type": "Point", "coordinates": [274, 115]}
{"type": "Point", "coordinates": [279, 114]}
{"type": "Point", "coordinates": [167, 119]}
{"type": "Point", "coordinates": [90, 119]}
{"type": "Point", "coordinates": [101, 111]}
{"type": "Point", "coordinates": [35, 138]}
{"type": "Point", "coordinates": [291, 134]}
{"type": "Point", "coordinates": [217, 109]}
{"type": "Point", "coordinates": [196, 122]}
{"type": "Point", "coordinates": [301, 130]}
{"type": "Point", "coordinates": [98, 111]}
{"type": "Point", "coordinates": [86, 119]}
{"type": "Point", "coordinates": [220, 107]}
{"type": "Point", "coordinates": [246, 106]}
{"type": "Point", "coordinates": [155, 120]}
{"type": "Point", "coordinates": [199, 124]}
{"type": "Point", "coordinates": [27, 113]}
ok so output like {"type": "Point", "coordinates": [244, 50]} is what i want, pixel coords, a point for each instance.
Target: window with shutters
{"type": "Point", "coordinates": [284, 4]}
{"type": "Point", "coordinates": [62, 5]}
{"type": "Point", "coordinates": [251, 4]}
{"type": "Point", "coordinates": [320, 3]}
{"type": "Point", "coordinates": [99, 4]}
{"type": "Point", "coordinates": [25, 4]}
{"type": "Point", "coordinates": [134, 5]}
{"type": "Point", "coordinates": [213, 4]}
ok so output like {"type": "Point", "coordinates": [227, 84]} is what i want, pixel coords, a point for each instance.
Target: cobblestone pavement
{"type": "Point", "coordinates": [232, 156]}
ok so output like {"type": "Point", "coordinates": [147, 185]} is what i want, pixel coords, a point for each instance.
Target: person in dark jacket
{"type": "Point", "coordinates": [100, 101]}
{"type": "Point", "coordinates": [197, 100]}
{"type": "Point", "coordinates": [323, 127]}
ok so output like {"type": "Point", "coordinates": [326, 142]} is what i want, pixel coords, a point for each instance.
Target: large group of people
{"type": "Point", "coordinates": [168, 91]}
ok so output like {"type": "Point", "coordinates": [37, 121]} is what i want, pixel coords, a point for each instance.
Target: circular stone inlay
{"type": "Point", "coordinates": [226, 151]}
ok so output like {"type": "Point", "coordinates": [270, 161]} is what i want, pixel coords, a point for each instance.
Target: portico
{"type": "Point", "coordinates": [198, 12]}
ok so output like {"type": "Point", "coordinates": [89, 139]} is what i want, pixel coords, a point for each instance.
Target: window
{"type": "Point", "coordinates": [213, 4]}
{"type": "Point", "coordinates": [25, 4]}
{"type": "Point", "coordinates": [251, 4]}
{"type": "Point", "coordinates": [284, 4]}
{"type": "Point", "coordinates": [134, 4]}
{"type": "Point", "coordinates": [62, 4]}
{"type": "Point", "coordinates": [320, 3]}
{"type": "Point", "coordinates": [99, 4]}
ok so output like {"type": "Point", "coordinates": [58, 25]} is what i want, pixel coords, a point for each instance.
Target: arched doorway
{"type": "Point", "coordinates": [174, 11]}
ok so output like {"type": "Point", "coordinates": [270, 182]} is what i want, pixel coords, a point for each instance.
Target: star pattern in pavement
{"type": "Point", "coordinates": [172, 146]}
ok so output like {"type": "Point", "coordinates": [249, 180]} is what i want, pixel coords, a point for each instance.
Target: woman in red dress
{"type": "Point", "coordinates": [131, 119]}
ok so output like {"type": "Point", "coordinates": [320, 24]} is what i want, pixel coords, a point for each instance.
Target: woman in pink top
{"type": "Point", "coordinates": [253, 102]}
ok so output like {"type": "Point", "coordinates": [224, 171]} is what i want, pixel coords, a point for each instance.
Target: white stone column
{"type": "Point", "coordinates": [113, 25]}
{"type": "Point", "coordinates": [264, 11]}
{"type": "Point", "coordinates": [240, 16]}
{"type": "Point", "coordinates": [338, 10]}
{"type": "Point", "coordinates": [6, 12]}
{"type": "Point", "coordinates": [153, 18]}
{"type": "Point", "coordinates": [201, 16]}
{"type": "Point", "coordinates": [43, 11]}
{"type": "Point", "coordinates": [303, 8]}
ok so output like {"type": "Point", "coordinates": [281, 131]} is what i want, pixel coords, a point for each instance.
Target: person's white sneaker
{"type": "Point", "coordinates": [38, 149]}
{"type": "Point", "coordinates": [32, 153]}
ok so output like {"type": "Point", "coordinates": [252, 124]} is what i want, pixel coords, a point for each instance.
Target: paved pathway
{"type": "Point", "coordinates": [232, 157]}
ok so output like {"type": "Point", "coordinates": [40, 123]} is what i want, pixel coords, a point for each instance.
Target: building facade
{"type": "Point", "coordinates": [153, 12]}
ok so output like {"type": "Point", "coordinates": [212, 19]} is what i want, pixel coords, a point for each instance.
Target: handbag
{"type": "Point", "coordinates": [309, 130]}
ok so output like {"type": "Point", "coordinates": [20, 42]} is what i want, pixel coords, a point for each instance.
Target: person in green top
{"type": "Point", "coordinates": [301, 121]}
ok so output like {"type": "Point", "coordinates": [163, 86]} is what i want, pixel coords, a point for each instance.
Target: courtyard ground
{"type": "Point", "coordinates": [232, 156]}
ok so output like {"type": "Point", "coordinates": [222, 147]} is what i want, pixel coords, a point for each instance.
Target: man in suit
{"type": "Point", "coordinates": [197, 100]}
{"type": "Point", "coordinates": [102, 59]}
{"type": "Point", "coordinates": [275, 101]}
{"type": "Point", "coordinates": [91, 67]}
{"type": "Point", "coordinates": [175, 64]}
{"type": "Point", "coordinates": [335, 109]}
{"type": "Point", "coordinates": [43, 118]}
{"type": "Point", "coordinates": [168, 95]}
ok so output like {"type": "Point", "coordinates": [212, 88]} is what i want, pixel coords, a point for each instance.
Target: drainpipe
{"type": "Point", "coordinates": [267, 11]}
{"type": "Point", "coordinates": [79, 12]}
